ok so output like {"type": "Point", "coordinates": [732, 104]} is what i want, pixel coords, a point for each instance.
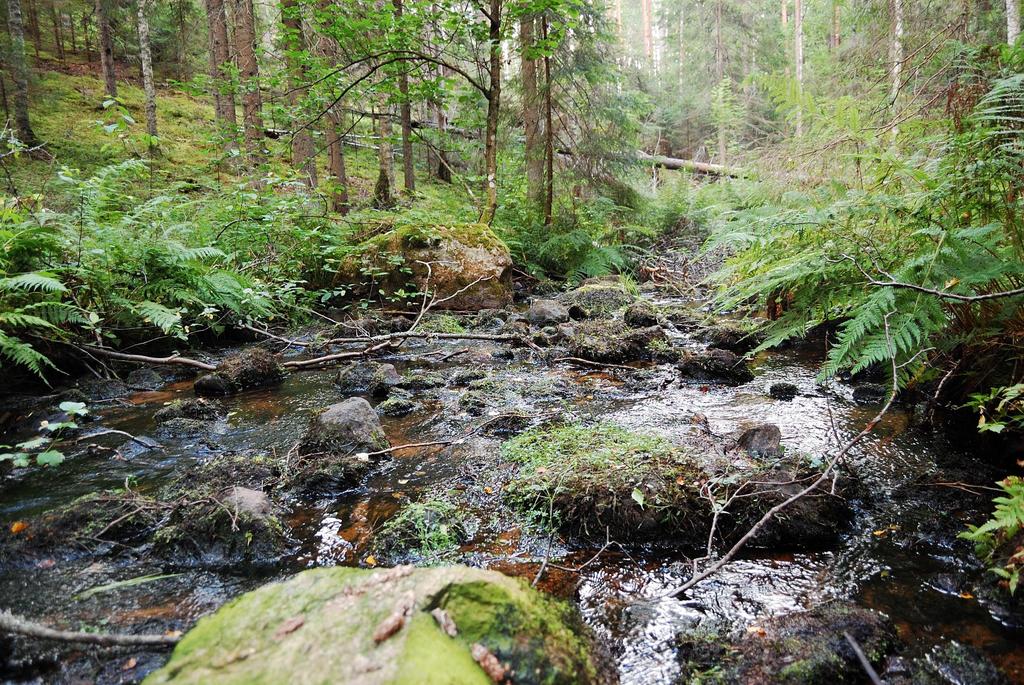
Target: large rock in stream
{"type": "Point", "coordinates": [468, 264]}
{"type": "Point", "coordinates": [400, 625]}
{"type": "Point", "coordinates": [251, 368]}
{"type": "Point", "coordinates": [600, 479]}
{"type": "Point", "coordinates": [335, 451]}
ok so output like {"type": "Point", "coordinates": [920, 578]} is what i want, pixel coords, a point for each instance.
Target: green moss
{"type": "Point", "coordinates": [444, 323]}
{"type": "Point", "coordinates": [258, 638]}
{"type": "Point", "coordinates": [429, 532]}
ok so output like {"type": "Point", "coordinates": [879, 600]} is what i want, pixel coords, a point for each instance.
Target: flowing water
{"type": "Point", "coordinates": [900, 556]}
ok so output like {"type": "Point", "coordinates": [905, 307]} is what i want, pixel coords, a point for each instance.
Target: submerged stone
{"type": "Point", "coordinates": [398, 625]}
{"type": "Point", "coordinates": [145, 379]}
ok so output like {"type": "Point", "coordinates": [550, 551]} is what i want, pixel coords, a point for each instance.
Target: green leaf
{"type": "Point", "coordinates": [49, 458]}
{"type": "Point", "coordinates": [74, 408]}
{"type": "Point", "coordinates": [638, 496]}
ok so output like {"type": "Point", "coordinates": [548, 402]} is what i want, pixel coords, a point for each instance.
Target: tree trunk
{"type": "Point", "coordinates": [720, 74]}
{"type": "Point", "coordinates": [1012, 21]}
{"type": "Point", "coordinates": [146, 59]}
{"type": "Point", "coordinates": [303, 152]}
{"type": "Point", "coordinates": [220, 67]}
{"type": "Point", "coordinates": [549, 133]}
{"type": "Point", "coordinates": [897, 55]}
{"type": "Point", "coordinates": [798, 60]}
{"type": "Point", "coordinates": [534, 152]}
{"type": "Point", "coordinates": [493, 109]}
{"type": "Point", "coordinates": [71, 28]}
{"type": "Point", "coordinates": [33, 26]}
{"type": "Point", "coordinates": [405, 114]}
{"type": "Point", "coordinates": [336, 161]}
{"type": "Point", "coordinates": [645, 19]}
{"type": "Point", "coordinates": [383, 190]}
{"type": "Point", "coordinates": [249, 74]}
{"type": "Point", "coordinates": [836, 37]}
{"type": "Point", "coordinates": [58, 38]}
{"type": "Point", "coordinates": [785, 13]}
{"type": "Point", "coordinates": [19, 74]}
{"type": "Point", "coordinates": [85, 38]}
{"type": "Point", "coordinates": [106, 49]}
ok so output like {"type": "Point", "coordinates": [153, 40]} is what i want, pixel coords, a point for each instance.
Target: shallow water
{"type": "Point", "coordinates": [898, 557]}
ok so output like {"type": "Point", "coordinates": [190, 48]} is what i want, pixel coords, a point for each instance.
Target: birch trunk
{"type": "Point", "coordinates": [146, 60]}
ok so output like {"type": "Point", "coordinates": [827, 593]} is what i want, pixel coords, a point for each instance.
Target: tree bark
{"type": "Point", "coordinates": [85, 37]}
{"type": "Point", "coordinates": [336, 162]}
{"type": "Point", "coordinates": [106, 41]}
{"type": "Point", "coordinates": [383, 190]}
{"type": "Point", "coordinates": [1012, 21]}
{"type": "Point", "coordinates": [146, 59]}
{"type": "Point", "coordinates": [71, 28]}
{"type": "Point", "coordinates": [405, 114]}
{"type": "Point", "coordinates": [33, 26]}
{"type": "Point", "coordinates": [58, 37]}
{"type": "Point", "coordinates": [534, 152]}
{"type": "Point", "coordinates": [798, 60]}
{"type": "Point", "coordinates": [19, 74]}
{"type": "Point", "coordinates": [549, 133]}
{"type": "Point", "coordinates": [244, 18]}
{"type": "Point", "coordinates": [303, 152]}
{"type": "Point", "coordinates": [493, 110]}
{"type": "Point", "coordinates": [836, 37]}
{"type": "Point", "coordinates": [220, 78]}
{"type": "Point", "coordinates": [720, 74]}
{"type": "Point", "coordinates": [785, 13]}
{"type": "Point", "coordinates": [645, 19]}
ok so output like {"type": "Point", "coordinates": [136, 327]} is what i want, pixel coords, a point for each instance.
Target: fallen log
{"type": "Point", "coordinates": [678, 164]}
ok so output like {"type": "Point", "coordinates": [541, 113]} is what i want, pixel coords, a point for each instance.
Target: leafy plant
{"type": "Point", "coordinates": [39, 448]}
{"type": "Point", "coordinates": [1000, 540]}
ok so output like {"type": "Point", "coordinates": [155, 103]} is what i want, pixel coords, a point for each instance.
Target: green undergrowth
{"type": "Point", "coordinates": [429, 531]}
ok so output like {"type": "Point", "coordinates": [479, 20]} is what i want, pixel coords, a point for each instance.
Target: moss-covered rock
{"type": "Point", "coordinates": [425, 532]}
{"type": "Point", "coordinates": [399, 625]}
{"type": "Point", "coordinates": [196, 408]}
{"type": "Point", "coordinates": [598, 478]}
{"type": "Point", "coordinates": [640, 314]}
{"type": "Point", "coordinates": [597, 300]}
{"type": "Point", "coordinates": [804, 648]}
{"type": "Point", "coordinates": [946, 663]}
{"type": "Point", "coordinates": [463, 257]}
{"type": "Point", "coordinates": [368, 377]}
{"type": "Point", "coordinates": [613, 341]}
{"type": "Point", "coordinates": [715, 366]}
{"type": "Point", "coordinates": [733, 337]}
{"type": "Point", "coordinates": [254, 367]}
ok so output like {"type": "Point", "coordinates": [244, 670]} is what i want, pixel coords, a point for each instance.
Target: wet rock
{"type": "Point", "coordinates": [397, 406]}
{"type": "Point", "coordinates": [783, 391]}
{"type": "Point", "coordinates": [428, 531]}
{"type": "Point", "coordinates": [808, 647]}
{"type": "Point", "coordinates": [547, 312]}
{"type": "Point", "coordinates": [145, 379]}
{"type": "Point", "coordinates": [949, 663]}
{"type": "Point", "coordinates": [761, 441]}
{"type": "Point", "coordinates": [490, 319]}
{"type": "Point", "coordinates": [198, 408]}
{"type": "Point", "coordinates": [385, 378]}
{"type": "Point", "coordinates": [182, 428]}
{"type": "Point", "coordinates": [251, 368]}
{"type": "Point", "coordinates": [211, 385]}
{"type": "Point", "coordinates": [247, 502]}
{"type": "Point", "coordinates": [715, 366]}
{"type": "Point", "coordinates": [474, 402]}
{"type": "Point", "coordinates": [467, 376]}
{"type": "Point", "coordinates": [870, 393]}
{"type": "Point", "coordinates": [332, 451]}
{"type": "Point", "coordinates": [422, 381]}
{"type": "Point", "coordinates": [102, 389]}
{"type": "Point", "coordinates": [613, 341]}
{"type": "Point", "coordinates": [640, 314]}
{"type": "Point", "coordinates": [398, 625]}
{"type": "Point", "coordinates": [732, 337]}
{"type": "Point", "coordinates": [597, 300]}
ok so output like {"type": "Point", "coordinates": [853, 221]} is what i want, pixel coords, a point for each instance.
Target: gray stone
{"type": "Point", "coordinates": [547, 312]}
{"type": "Point", "coordinates": [761, 441]}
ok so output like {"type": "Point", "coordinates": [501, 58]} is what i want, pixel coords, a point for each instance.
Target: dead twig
{"type": "Point", "coordinates": [143, 359]}
{"type": "Point", "coordinates": [9, 623]}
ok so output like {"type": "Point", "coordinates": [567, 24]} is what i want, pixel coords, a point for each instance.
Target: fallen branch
{"type": "Point", "coordinates": [599, 365]}
{"type": "Point", "coordinates": [9, 623]}
{"type": "Point", "coordinates": [690, 165]}
{"type": "Point", "coordinates": [143, 359]}
{"type": "Point", "coordinates": [865, 663]}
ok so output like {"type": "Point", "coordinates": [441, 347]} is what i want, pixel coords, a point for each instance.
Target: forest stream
{"type": "Point", "coordinates": [899, 556]}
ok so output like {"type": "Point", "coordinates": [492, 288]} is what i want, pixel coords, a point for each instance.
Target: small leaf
{"type": "Point", "coordinates": [49, 458]}
{"type": "Point", "coordinates": [18, 527]}
{"type": "Point", "coordinates": [638, 496]}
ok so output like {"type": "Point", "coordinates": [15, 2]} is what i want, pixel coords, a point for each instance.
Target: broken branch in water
{"type": "Point", "coordinates": [9, 623]}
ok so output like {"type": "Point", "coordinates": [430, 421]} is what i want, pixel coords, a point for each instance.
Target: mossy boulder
{"type": "Point", "coordinates": [715, 366]}
{"type": "Point", "coordinates": [613, 341]}
{"type": "Point", "coordinates": [948, 662]}
{"type": "Point", "coordinates": [368, 377]}
{"type": "Point", "coordinates": [468, 263]}
{"type": "Point", "coordinates": [640, 314]}
{"type": "Point", "coordinates": [733, 337]}
{"type": "Point", "coordinates": [593, 478]}
{"type": "Point", "coordinates": [398, 625]}
{"type": "Point", "coordinates": [600, 299]}
{"type": "Point", "coordinates": [254, 367]}
{"type": "Point", "coordinates": [196, 408]}
{"type": "Point", "coordinates": [425, 532]}
{"type": "Point", "coordinates": [804, 648]}
{"type": "Point", "coordinates": [335, 449]}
